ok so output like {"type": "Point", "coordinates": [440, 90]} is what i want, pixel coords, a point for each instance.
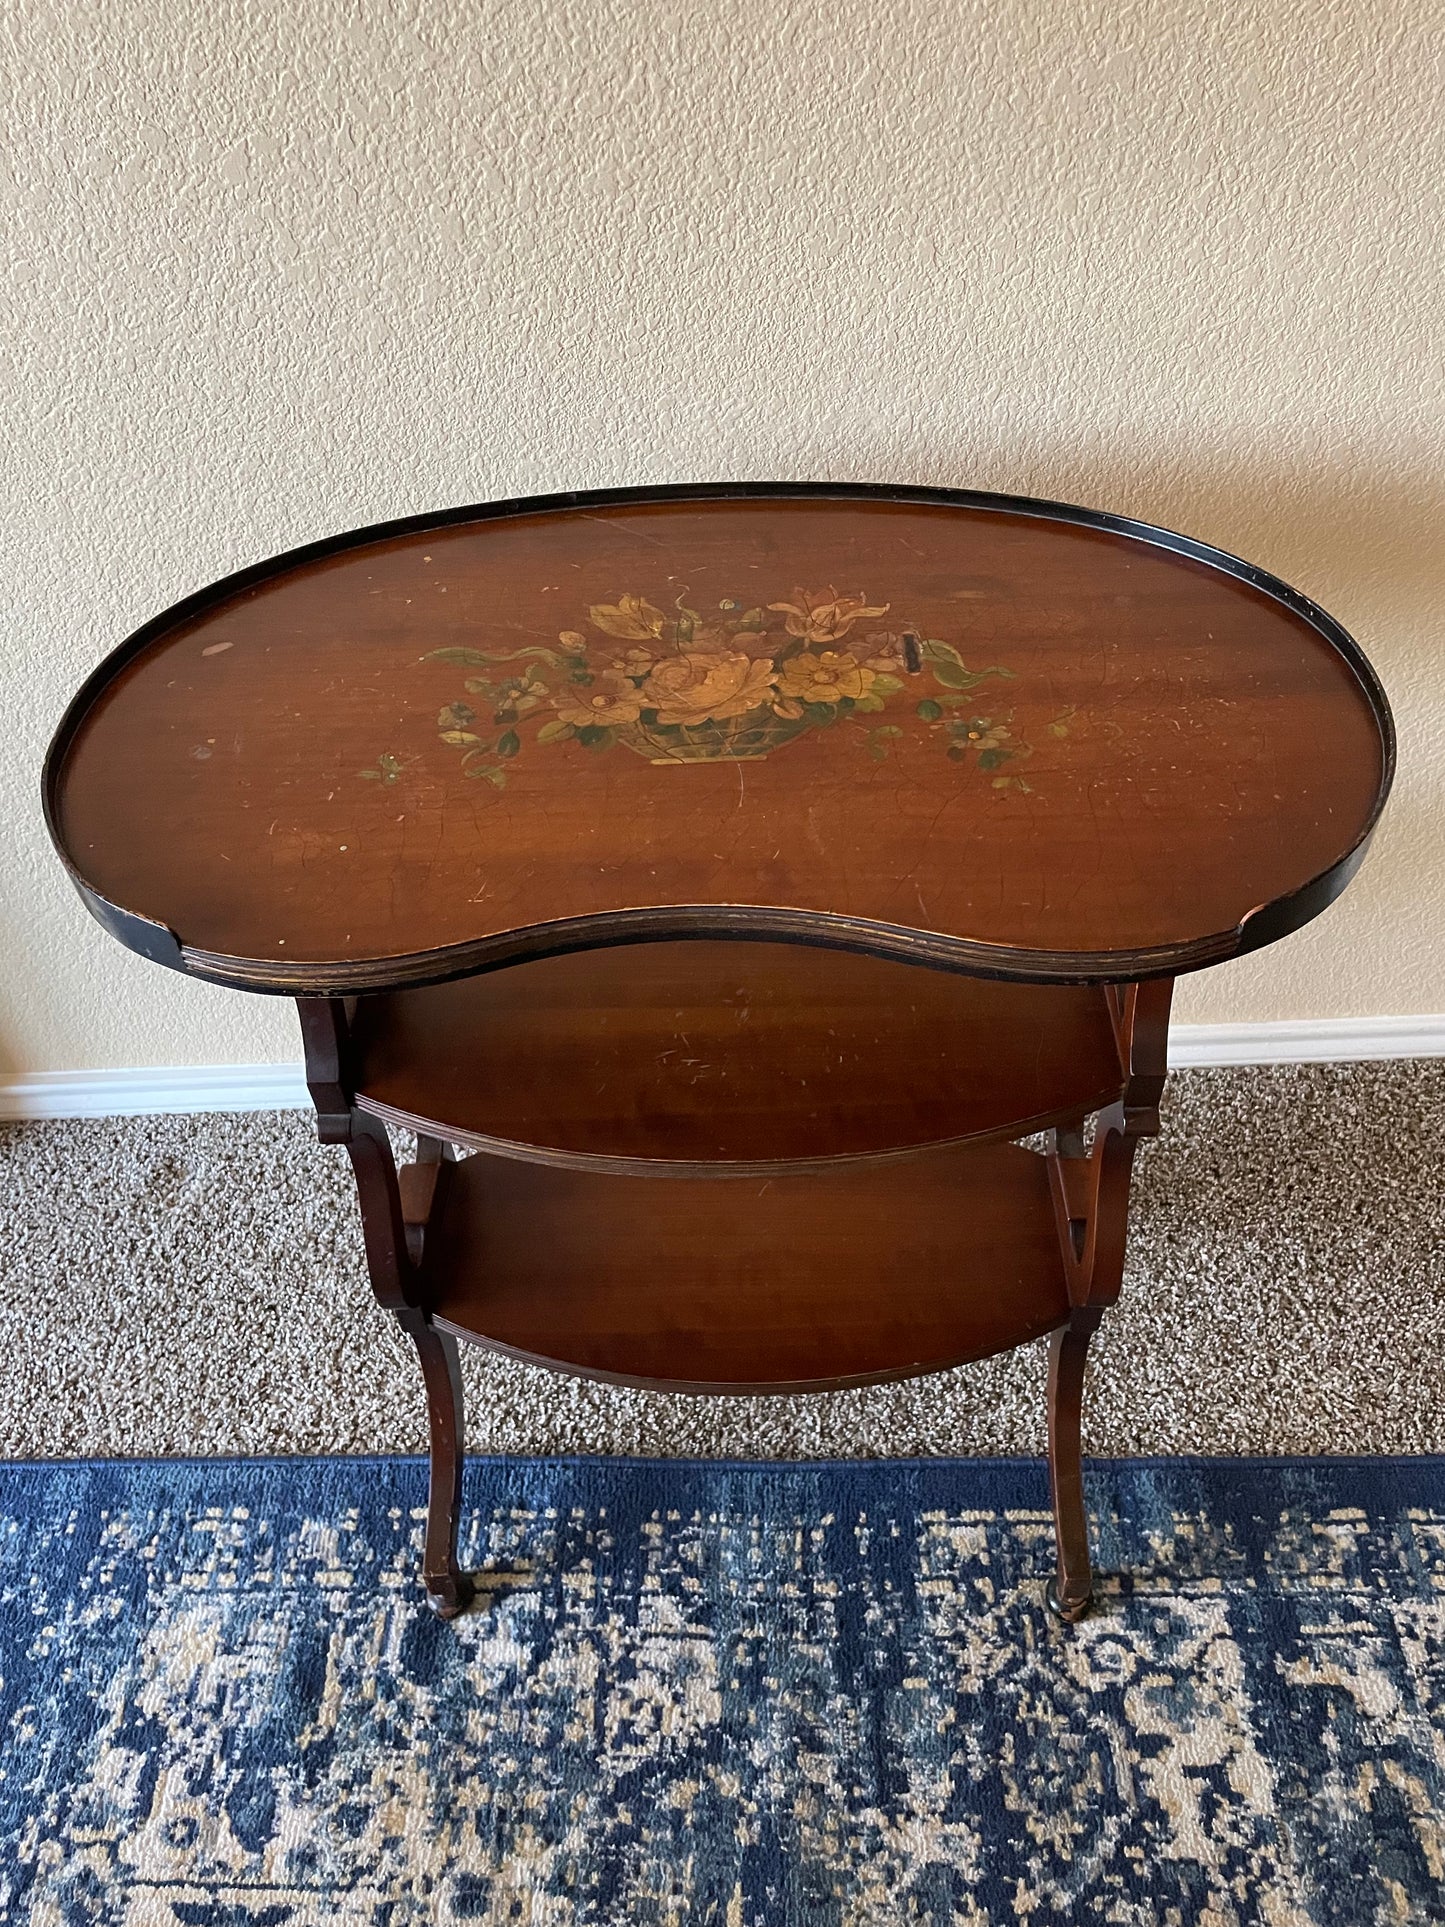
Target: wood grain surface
{"type": "Point", "coordinates": [773, 1284]}
{"type": "Point", "coordinates": [1045, 739]}
{"type": "Point", "coordinates": [728, 1056]}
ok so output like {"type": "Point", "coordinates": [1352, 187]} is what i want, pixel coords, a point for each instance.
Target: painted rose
{"type": "Point", "coordinates": [610, 700]}
{"type": "Point", "coordinates": [824, 677]}
{"type": "Point", "coordinates": [708, 687]}
{"type": "Point", "coordinates": [632, 617]}
{"type": "Point", "coordinates": [823, 615]}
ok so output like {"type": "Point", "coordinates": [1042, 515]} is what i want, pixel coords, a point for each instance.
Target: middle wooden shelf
{"type": "Point", "coordinates": [730, 1059]}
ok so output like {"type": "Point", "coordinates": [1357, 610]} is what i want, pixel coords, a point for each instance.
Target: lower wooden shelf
{"type": "Point", "coordinates": [806, 1282]}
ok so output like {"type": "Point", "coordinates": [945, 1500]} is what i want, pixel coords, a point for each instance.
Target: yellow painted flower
{"type": "Point", "coordinates": [825, 677]}
{"type": "Point", "coordinates": [708, 686]}
{"type": "Point", "coordinates": [631, 617]}
{"type": "Point", "coordinates": [823, 615]}
{"type": "Point", "coordinates": [610, 701]}
{"type": "Point", "coordinates": [981, 732]}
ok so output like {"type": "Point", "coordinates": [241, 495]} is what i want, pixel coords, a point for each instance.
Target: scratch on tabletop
{"type": "Point", "coordinates": [612, 521]}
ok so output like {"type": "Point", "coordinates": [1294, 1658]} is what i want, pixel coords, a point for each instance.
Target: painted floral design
{"type": "Point", "coordinates": [735, 683]}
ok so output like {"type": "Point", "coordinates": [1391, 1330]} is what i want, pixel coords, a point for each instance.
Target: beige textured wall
{"type": "Point", "coordinates": [278, 270]}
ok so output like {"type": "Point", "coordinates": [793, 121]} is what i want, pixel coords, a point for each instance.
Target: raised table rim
{"type": "Point", "coordinates": [1264, 924]}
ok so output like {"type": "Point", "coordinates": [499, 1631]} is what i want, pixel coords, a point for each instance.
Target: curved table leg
{"type": "Point", "coordinates": [1071, 1591]}
{"type": "Point", "coordinates": [449, 1590]}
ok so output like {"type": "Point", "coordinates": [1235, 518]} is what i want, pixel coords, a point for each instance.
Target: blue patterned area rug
{"type": "Point", "coordinates": [721, 1695]}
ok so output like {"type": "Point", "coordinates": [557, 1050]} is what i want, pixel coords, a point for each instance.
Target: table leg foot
{"type": "Point", "coordinates": [1071, 1611]}
{"type": "Point", "coordinates": [452, 1596]}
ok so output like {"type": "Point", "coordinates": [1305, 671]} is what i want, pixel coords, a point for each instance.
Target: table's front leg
{"type": "Point", "coordinates": [395, 1207]}
{"type": "Point", "coordinates": [1091, 1207]}
{"type": "Point", "coordinates": [1071, 1590]}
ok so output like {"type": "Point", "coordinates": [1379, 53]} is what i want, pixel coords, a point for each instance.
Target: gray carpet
{"type": "Point", "coordinates": [196, 1285]}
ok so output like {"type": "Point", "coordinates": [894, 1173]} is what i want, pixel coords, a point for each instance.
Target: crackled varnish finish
{"type": "Point", "coordinates": [831, 837]}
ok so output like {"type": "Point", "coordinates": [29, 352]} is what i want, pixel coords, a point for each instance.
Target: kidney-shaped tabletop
{"type": "Point", "coordinates": [1015, 737]}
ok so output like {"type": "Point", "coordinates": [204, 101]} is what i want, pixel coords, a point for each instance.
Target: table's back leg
{"type": "Point", "coordinates": [1071, 1591]}
{"type": "Point", "coordinates": [1091, 1205]}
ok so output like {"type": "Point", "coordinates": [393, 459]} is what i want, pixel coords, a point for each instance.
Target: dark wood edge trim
{"type": "Point", "coordinates": [141, 934]}
{"type": "Point", "coordinates": [1263, 925]}
{"type": "Point", "coordinates": [605, 1165]}
{"type": "Point", "coordinates": [738, 923]}
{"type": "Point", "coordinates": [736, 1387]}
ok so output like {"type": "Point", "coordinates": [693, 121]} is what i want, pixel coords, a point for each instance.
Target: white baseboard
{"type": "Point", "coordinates": [281, 1087]}
{"type": "Point", "coordinates": [1314, 1040]}
{"type": "Point", "coordinates": [146, 1093]}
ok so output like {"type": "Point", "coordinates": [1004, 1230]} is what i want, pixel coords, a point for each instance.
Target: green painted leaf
{"type": "Point", "coordinates": [456, 716]}
{"type": "Point", "coordinates": [932, 650]}
{"type": "Point", "coordinates": [870, 704]}
{"type": "Point", "coordinates": [888, 729]}
{"type": "Point", "coordinates": [459, 738]}
{"type": "Point", "coordinates": [753, 619]}
{"type": "Point", "coordinates": [371, 775]}
{"type": "Point", "coordinates": [879, 752]}
{"type": "Point", "coordinates": [953, 675]}
{"type": "Point", "coordinates": [821, 713]}
{"type": "Point", "coordinates": [478, 686]}
{"type": "Point", "coordinates": [993, 758]}
{"type": "Point", "coordinates": [929, 710]}
{"type": "Point", "coordinates": [555, 732]}
{"type": "Point", "coordinates": [886, 685]}
{"type": "Point", "coordinates": [509, 744]}
{"type": "Point", "coordinates": [595, 736]}
{"type": "Point", "coordinates": [472, 657]}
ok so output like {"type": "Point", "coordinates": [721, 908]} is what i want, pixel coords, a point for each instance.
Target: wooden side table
{"type": "Point", "coordinates": [738, 872]}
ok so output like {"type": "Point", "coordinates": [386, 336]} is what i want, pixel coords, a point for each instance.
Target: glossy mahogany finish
{"type": "Point", "coordinates": [785, 1284]}
{"type": "Point", "coordinates": [728, 1058]}
{"type": "Point", "coordinates": [1095, 751]}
